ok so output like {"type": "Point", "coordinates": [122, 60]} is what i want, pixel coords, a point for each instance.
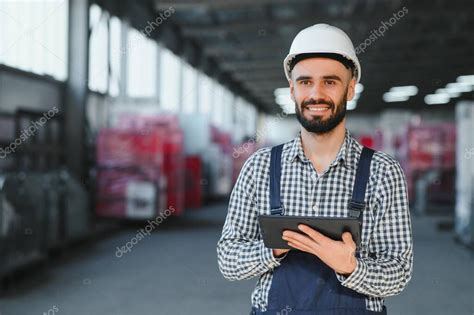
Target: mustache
{"type": "Point", "coordinates": [319, 101]}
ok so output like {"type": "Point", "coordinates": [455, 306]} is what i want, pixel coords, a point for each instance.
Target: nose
{"type": "Point", "coordinates": [317, 92]}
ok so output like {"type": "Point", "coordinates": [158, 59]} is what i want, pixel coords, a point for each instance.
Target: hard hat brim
{"type": "Point", "coordinates": [289, 57]}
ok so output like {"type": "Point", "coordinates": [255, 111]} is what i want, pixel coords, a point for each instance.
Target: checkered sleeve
{"type": "Point", "coordinates": [241, 253]}
{"type": "Point", "coordinates": [387, 269]}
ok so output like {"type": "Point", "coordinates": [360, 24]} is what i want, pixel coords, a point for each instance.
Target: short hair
{"type": "Point", "coordinates": [349, 64]}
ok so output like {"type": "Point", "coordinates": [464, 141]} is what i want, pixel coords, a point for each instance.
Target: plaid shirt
{"type": "Point", "coordinates": [385, 259]}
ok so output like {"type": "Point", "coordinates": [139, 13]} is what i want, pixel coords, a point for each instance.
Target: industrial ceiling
{"type": "Point", "coordinates": [243, 42]}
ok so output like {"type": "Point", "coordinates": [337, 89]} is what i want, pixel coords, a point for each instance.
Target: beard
{"type": "Point", "coordinates": [319, 125]}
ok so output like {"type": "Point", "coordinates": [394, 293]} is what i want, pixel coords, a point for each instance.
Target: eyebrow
{"type": "Point", "coordinates": [326, 77]}
{"type": "Point", "coordinates": [332, 77]}
{"type": "Point", "coordinates": [303, 77]}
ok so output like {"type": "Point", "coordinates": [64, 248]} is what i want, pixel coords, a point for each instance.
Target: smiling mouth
{"type": "Point", "coordinates": [313, 108]}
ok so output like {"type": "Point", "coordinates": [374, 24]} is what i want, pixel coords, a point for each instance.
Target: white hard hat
{"type": "Point", "coordinates": [322, 38]}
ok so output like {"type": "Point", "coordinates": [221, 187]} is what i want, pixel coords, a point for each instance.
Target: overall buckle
{"type": "Point", "coordinates": [279, 211]}
{"type": "Point", "coordinates": [355, 208]}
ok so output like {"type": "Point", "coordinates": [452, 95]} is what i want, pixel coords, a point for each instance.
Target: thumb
{"type": "Point", "coordinates": [347, 238]}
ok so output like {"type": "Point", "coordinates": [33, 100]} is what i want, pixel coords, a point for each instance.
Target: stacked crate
{"type": "Point", "coordinates": [166, 128]}
{"type": "Point", "coordinates": [129, 164]}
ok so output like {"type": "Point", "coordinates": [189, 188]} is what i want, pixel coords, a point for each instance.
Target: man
{"type": "Point", "coordinates": [318, 170]}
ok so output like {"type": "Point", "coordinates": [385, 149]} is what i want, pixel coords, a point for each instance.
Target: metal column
{"type": "Point", "coordinates": [76, 87]}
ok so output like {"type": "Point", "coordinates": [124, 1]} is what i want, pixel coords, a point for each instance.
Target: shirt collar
{"type": "Point", "coordinates": [344, 155]}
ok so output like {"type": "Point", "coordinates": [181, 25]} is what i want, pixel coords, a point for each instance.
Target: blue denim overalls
{"type": "Point", "coordinates": [303, 284]}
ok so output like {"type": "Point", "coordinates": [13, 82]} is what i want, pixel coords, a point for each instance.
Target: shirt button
{"type": "Point", "coordinates": [315, 208]}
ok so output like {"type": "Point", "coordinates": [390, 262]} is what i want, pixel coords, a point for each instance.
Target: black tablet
{"type": "Point", "coordinates": [272, 227]}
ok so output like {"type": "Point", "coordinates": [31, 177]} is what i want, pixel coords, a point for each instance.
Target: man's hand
{"type": "Point", "coordinates": [338, 255]}
{"type": "Point", "coordinates": [277, 252]}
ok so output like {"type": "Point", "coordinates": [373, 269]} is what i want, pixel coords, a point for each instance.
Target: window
{"type": "Point", "coordinates": [240, 119]}
{"type": "Point", "coordinates": [252, 119]}
{"type": "Point", "coordinates": [98, 49]}
{"type": "Point", "coordinates": [227, 108]}
{"type": "Point", "coordinates": [170, 67]}
{"type": "Point", "coordinates": [115, 55]}
{"type": "Point", "coordinates": [33, 36]}
{"type": "Point", "coordinates": [105, 51]}
{"type": "Point", "coordinates": [217, 105]}
{"type": "Point", "coordinates": [206, 88]}
{"type": "Point", "coordinates": [190, 76]}
{"type": "Point", "coordinates": [245, 117]}
{"type": "Point", "coordinates": [142, 56]}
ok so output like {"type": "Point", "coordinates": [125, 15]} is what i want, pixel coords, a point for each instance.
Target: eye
{"type": "Point", "coordinates": [330, 82]}
{"type": "Point", "coordinates": [305, 82]}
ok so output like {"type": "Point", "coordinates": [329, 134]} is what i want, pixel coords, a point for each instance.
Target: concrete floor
{"type": "Point", "coordinates": [174, 271]}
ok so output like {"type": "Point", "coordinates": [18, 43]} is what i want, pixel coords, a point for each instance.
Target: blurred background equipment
{"type": "Point", "coordinates": [125, 124]}
{"type": "Point", "coordinates": [464, 224]}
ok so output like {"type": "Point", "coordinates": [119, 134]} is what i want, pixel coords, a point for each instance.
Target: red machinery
{"type": "Point", "coordinates": [193, 192]}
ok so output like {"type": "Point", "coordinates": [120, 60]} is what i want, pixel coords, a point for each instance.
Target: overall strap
{"type": "Point", "coordinates": [275, 175]}
{"type": "Point", "coordinates": [357, 203]}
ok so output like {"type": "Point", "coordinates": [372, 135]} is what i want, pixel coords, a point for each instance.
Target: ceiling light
{"type": "Point", "coordinates": [351, 105]}
{"type": "Point", "coordinates": [451, 94]}
{"type": "Point", "coordinates": [466, 79]}
{"type": "Point", "coordinates": [390, 97]}
{"type": "Point", "coordinates": [459, 87]}
{"type": "Point", "coordinates": [282, 91]}
{"type": "Point", "coordinates": [288, 108]}
{"type": "Point", "coordinates": [432, 99]}
{"type": "Point", "coordinates": [409, 90]}
{"type": "Point", "coordinates": [283, 99]}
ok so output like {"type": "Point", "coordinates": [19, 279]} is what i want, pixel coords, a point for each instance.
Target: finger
{"type": "Point", "coordinates": [347, 239]}
{"type": "Point", "coordinates": [302, 238]}
{"type": "Point", "coordinates": [301, 246]}
{"type": "Point", "coordinates": [297, 247]}
{"type": "Point", "coordinates": [305, 242]}
{"type": "Point", "coordinates": [315, 235]}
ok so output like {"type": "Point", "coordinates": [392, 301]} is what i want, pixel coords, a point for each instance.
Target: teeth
{"type": "Point", "coordinates": [317, 109]}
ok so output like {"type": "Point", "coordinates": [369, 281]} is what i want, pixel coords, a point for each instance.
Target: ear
{"type": "Point", "coordinates": [292, 90]}
{"type": "Point", "coordinates": [351, 89]}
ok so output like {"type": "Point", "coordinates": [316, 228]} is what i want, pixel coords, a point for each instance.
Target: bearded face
{"type": "Point", "coordinates": [320, 88]}
{"type": "Point", "coordinates": [321, 124]}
